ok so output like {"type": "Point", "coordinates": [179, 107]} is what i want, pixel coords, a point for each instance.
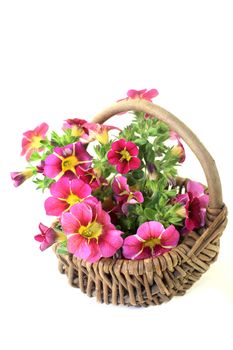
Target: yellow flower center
{"type": "Point", "coordinates": [69, 163]}
{"type": "Point", "coordinates": [92, 230]}
{"type": "Point", "coordinates": [125, 155]}
{"type": "Point", "coordinates": [76, 131]}
{"type": "Point", "coordinates": [102, 137]}
{"type": "Point", "coordinates": [72, 199]}
{"type": "Point", "coordinates": [35, 143]}
{"type": "Point", "coordinates": [152, 242]}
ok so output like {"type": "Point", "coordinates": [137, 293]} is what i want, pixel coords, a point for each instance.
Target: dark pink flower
{"type": "Point", "coordinates": [66, 193]}
{"type": "Point", "coordinates": [91, 235]}
{"type": "Point", "coordinates": [48, 236]}
{"type": "Point", "coordinates": [98, 132]}
{"type": "Point", "coordinates": [123, 195]}
{"type": "Point", "coordinates": [123, 154]}
{"type": "Point", "coordinates": [31, 141]}
{"type": "Point", "coordinates": [20, 176]}
{"type": "Point", "coordinates": [77, 127]}
{"type": "Point", "coordinates": [66, 160]}
{"type": "Point", "coordinates": [178, 150]}
{"type": "Point", "coordinates": [150, 240]}
{"type": "Point", "coordinates": [195, 202]}
{"type": "Point", "coordinates": [90, 177]}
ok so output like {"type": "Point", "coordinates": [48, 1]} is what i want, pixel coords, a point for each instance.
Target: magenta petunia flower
{"type": "Point", "coordinates": [150, 240]}
{"type": "Point", "coordinates": [48, 236]}
{"type": "Point", "coordinates": [178, 150]}
{"type": "Point", "coordinates": [77, 127]}
{"type": "Point", "coordinates": [195, 202]}
{"type": "Point", "coordinates": [91, 235]}
{"type": "Point", "coordinates": [123, 154]}
{"type": "Point", "coordinates": [123, 195]}
{"type": "Point", "coordinates": [90, 177]}
{"type": "Point", "coordinates": [66, 160]}
{"type": "Point", "coordinates": [66, 193]}
{"type": "Point", "coordinates": [31, 140]}
{"type": "Point", "coordinates": [20, 176]}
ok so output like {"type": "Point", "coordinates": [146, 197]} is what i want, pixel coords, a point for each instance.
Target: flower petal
{"type": "Point", "coordinates": [110, 242]}
{"type": "Point", "coordinates": [54, 206]}
{"type": "Point", "coordinates": [204, 201]}
{"type": "Point", "coordinates": [78, 246]}
{"type": "Point", "coordinates": [52, 166]}
{"type": "Point", "coordinates": [123, 167]}
{"type": "Point", "coordinates": [134, 163]}
{"type": "Point", "coordinates": [170, 237]}
{"type": "Point", "coordinates": [69, 223]}
{"type": "Point", "coordinates": [150, 229]}
{"type": "Point", "coordinates": [150, 94]}
{"type": "Point", "coordinates": [82, 212]}
{"type": "Point", "coordinates": [118, 145]}
{"type": "Point", "coordinates": [112, 157]}
{"type": "Point", "coordinates": [80, 188]}
{"type": "Point", "coordinates": [95, 254]}
{"type": "Point", "coordinates": [132, 148]}
{"type": "Point", "coordinates": [131, 247]}
{"type": "Point", "coordinates": [195, 188]}
{"type": "Point", "coordinates": [61, 188]}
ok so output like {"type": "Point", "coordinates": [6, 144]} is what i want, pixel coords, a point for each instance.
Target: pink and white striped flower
{"type": "Point", "coordinates": [91, 235]}
{"type": "Point", "coordinates": [66, 160]}
{"type": "Point", "coordinates": [66, 193]}
{"type": "Point", "coordinates": [150, 240]}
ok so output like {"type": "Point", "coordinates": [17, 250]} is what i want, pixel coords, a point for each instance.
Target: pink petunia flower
{"type": "Point", "coordinates": [178, 150]}
{"type": "Point", "coordinates": [20, 176]}
{"type": "Point", "coordinates": [77, 127]}
{"type": "Point", "coordinates": [31, 140]}
{"type": "Point", "coordinates": [98, 132]}
{"type": "Point", "coordinates": [123, 154]}
{"type": "Point", "coordinates": [48, 236]}
{"type": "Point", "coordinates": [195, 202]}
{"type": "Point", "coordinates": [123, 195]}
{"type": "Point", "coordinates": [66, 193]}
{"type": "Point", "coordinates": [150, 240]}
{"type": "Point", "coordinates": [66, 160]}
{"type": "Point", "coordinates": [91, 235]}
{"type": "Point", "coordinates": [143, 94]}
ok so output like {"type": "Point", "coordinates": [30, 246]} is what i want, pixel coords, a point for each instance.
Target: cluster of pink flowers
{"type": "Point", "coordinates": [84, 219]}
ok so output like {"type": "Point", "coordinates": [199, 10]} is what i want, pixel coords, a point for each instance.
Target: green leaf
{"type": "Point", "coordinates": [35, 156]}
{"type": "Point", "coordinates": [149, 213]}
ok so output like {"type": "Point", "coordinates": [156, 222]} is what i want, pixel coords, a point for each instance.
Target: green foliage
{"type": "Point", "coordinates": [63, 140]}
{"type": "Point", "coordinates": [62, 248]}
{"type": "Point", "coordinates": [43, 183]}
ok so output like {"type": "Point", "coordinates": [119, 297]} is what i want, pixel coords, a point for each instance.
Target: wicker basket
{"type": "Point", "coordinates": [155, 280]}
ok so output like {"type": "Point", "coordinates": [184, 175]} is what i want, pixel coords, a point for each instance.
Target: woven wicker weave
{"type": "Point", "coordinates": [155, 280]}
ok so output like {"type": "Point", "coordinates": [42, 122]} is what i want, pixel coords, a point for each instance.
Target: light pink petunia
{"type": "Point", "coordinates": [31, 140]}
{"type": "Point", "coordinates": [124, 154]}
{"type": "Point", "coordinates": [91, 235]}
{"type": "Point", "coordinates": [150, 240]}
{"type": "Point", "coordinates": [195, 202]}
{"type": "Point", "coordinates": [66, 160]}
{"type": "Point", "coordinates": [98, 132]}
{"type": "Point", "coordinates": [123, 195]}
{"type": "Point", "coordinates": [77, 127]}
{"type": "Point", "coordinates": [178, 150]}
{"type": "Point", "coordinates": [20, 177]}
{"type": "Point", "coordinates": [48, 236]}
{"type": "Point", "coordinates": [66, 193]}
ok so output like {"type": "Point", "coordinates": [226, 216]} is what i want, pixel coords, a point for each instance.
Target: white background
{"type": "Point", "coordinates": [64, 59]}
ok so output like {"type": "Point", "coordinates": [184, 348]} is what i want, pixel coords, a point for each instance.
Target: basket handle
{"type": "Point", "coordinates": [205, 159]}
